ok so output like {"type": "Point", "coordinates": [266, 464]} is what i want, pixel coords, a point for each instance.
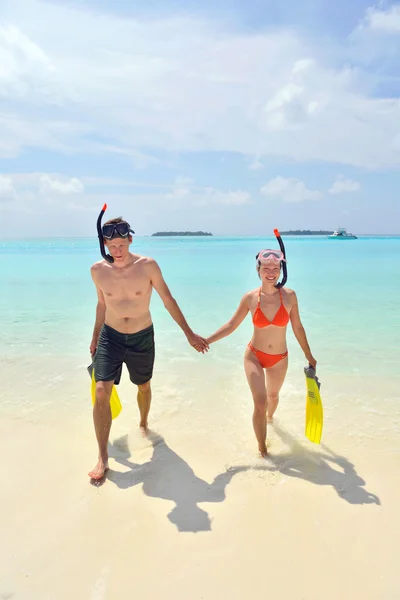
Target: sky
{"type": "Point", "coordinates": [183, 115]}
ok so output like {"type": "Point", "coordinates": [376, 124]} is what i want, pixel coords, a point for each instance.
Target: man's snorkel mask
{"type": "Point", "coordinates": [274, 256]}
{"type": "Point", "coordinates": [110, 231]}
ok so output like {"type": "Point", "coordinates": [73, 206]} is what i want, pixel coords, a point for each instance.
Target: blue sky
{"type": "Point", "coordinates": [234, 119]}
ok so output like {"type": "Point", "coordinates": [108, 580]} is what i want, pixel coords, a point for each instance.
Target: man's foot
{"type": "Point", "coordinates": [270, 419]}
{"type": "Point", "coordinates": [100, 469]}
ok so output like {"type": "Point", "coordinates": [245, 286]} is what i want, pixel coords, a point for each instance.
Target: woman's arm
{"type": "Point", "coordinates": [299, 331]}
{"type": "Point", "coordinates": [233, 323]}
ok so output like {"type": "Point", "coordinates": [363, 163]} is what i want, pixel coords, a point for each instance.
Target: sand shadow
{"type": "Point", "coordinates": [169, 477]}
{"type": "Point", "coordinates": [321, 468]}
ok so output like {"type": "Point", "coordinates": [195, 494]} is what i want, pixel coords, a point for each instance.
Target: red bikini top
{"type": "Point", "coordinates": [281, 318]}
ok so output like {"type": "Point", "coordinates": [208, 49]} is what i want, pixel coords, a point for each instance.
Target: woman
{"type": "Point", "coordinates": [271, 308]}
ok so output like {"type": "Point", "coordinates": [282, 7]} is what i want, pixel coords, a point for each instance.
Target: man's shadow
{"type": "Point", "coordinates": [321, 468]}
{"type": "Point", "coordinates": [169, 477]}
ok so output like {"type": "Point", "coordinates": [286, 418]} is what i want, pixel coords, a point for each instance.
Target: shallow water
{"type": "Point", "coordinates": [349, 294]}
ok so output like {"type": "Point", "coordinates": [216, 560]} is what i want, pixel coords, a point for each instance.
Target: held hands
{"type": "Point", "coordinates": [197, 342]}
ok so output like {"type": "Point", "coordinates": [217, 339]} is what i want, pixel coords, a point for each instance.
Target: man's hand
{"type": "Point", "coordinates": [198, 343]}
{"type": "Point", "coordinates": [93, 346]}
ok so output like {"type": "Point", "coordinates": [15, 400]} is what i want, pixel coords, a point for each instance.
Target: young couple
{"type": "Point", "coordinates": [123, 331]}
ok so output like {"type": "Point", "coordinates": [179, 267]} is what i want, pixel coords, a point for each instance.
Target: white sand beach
{"type": "Point", "coordinates": [192, 512]}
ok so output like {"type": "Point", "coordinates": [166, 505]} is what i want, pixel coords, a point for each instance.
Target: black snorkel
{"type": "Point", "coordinates": [284, 268]}
{"type": "Point", "coordinates": [100, 234]}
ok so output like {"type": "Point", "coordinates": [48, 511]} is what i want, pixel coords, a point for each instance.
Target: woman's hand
{"type": "Point", "coordinates": [312, 361]}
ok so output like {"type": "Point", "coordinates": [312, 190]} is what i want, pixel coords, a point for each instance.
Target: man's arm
{"type": "Point", "coordinates": [299, 331]}
{"type": "Point", "coordinates": [159, 284]}
{"type": "Point", "coordinates": [100, 314]}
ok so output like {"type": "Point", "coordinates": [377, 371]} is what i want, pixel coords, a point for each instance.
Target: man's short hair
{"type": "Point", "coordinates": [115, 221]}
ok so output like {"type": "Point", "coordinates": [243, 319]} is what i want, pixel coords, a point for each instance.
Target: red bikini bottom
{"type": "Point", "coordinates": [266, 360]}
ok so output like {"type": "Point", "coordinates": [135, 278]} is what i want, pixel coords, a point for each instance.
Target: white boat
{"type": "Point", "coordinates": [341, 234]}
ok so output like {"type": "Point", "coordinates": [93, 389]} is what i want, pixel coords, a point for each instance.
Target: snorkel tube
{"type": "Point", "coordinates": [284, 268]}
{"type": "Point", "coordinates": [100, 234]}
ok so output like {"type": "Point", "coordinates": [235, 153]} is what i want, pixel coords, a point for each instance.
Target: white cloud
{"type": "Point", "coordinates": [386, 21]}
{"type": "Point", "coordinates": [7, 190]}
{"type": "Point", "coordinates": [49, 184]}
{"type": "Point", "coordinates": [31, 192]}
{"type": "Point", "coordinates": [24, 67]}
{"type": "Point", "coordinates": [185, 188]}
{"type": "Point", "coordinates": [118, 182]}
{"type": "Point", "coordinates": [295, 101]}
{"type": "Point", "coordinates": [19, 131]}
{"type": "Point", "coordinates": [236, 198]}
{"type": "Point", "coordinates": [182, 188]}
{"type": "Point", "coordinates": [256, 164]}
{"type": "Point", "coordinates": [41, 188]}
{"type": "Point", "coordinates": [289, 190]}
{"type": "Point", "coordinates": [140, 160]}
{"type": "Point", "coordinates": [133, 86]}
{"type": "Point", "coordinates": [342, 185]}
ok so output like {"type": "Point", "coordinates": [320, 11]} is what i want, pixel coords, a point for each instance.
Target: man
{"type": "Point", "coordinates": [123, 330]}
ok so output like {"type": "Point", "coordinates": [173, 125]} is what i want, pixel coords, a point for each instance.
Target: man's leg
{"type": "Point", "coordinates": [102, 425]}
{"type": "Point", "coordinates": [144, 401]}
{"type": "Point", "coordinates": [139, 359]}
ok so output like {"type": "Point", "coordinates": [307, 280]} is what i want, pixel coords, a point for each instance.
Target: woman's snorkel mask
{"type": "Point", "coordinates": [267, 257]}
{"type": "Point", "coordinates": [110, 231]}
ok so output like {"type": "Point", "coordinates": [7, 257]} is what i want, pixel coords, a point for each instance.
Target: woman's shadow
{"type": "Point", "coordinates": [321, 468]}
{"type": "Point", "coordinates": [169, 477]}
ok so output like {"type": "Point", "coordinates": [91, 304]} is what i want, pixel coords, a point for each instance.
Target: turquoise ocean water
{"type": "Point", "coordinates": [348, 292]}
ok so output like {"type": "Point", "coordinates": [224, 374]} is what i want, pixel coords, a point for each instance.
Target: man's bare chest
{"type": "Point", "coordinates": [130, 284]}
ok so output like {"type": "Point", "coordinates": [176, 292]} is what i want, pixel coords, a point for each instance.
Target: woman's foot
{"type": "Point", "coordinates": [144, 428]}
{"type": "Point", "coordinates": [263, 451]}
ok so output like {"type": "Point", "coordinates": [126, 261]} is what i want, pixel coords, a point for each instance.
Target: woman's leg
{"type": "Point", "coordinates": [275, 376]}
{"type": "Point", "coordinates": [256, 379]}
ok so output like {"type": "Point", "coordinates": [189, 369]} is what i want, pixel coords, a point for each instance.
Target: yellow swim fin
{"type": "Point", "coordinates": [115, 403]}
{"type": "Point", "coordinates": [314, 408]}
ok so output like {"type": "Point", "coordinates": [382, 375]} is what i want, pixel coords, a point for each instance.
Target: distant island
{"type": "Point", "coordinates": [179, 233]}
{"type": "Point", "coordinates": [305, 232]}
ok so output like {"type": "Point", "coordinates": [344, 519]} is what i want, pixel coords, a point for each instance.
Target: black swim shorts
{"type": "Point", "coordinates": [136, 350]}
